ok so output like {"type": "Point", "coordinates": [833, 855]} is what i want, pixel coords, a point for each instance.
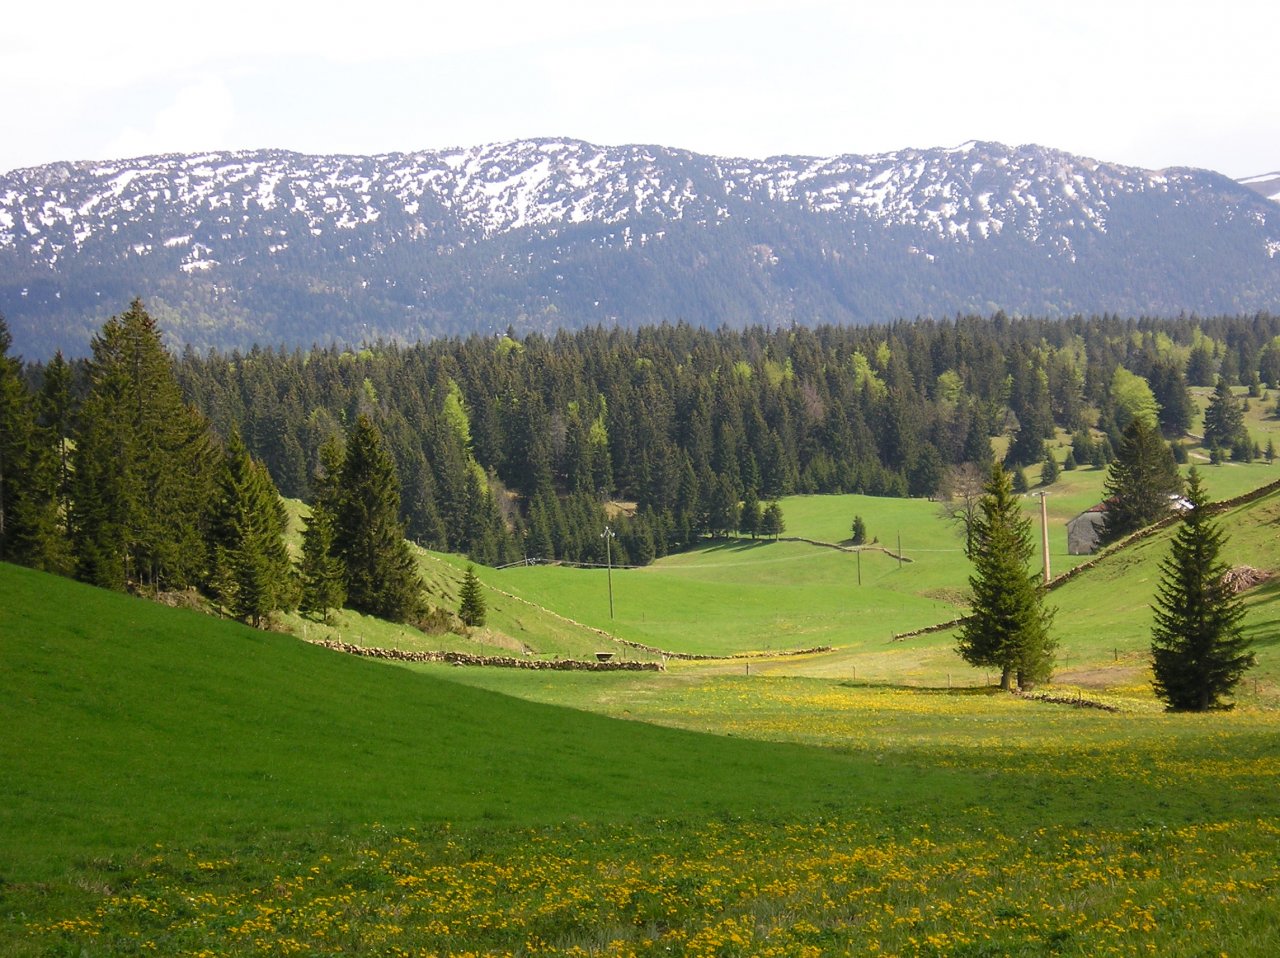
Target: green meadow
{"type": "Point", "coordinates": [174, 784]}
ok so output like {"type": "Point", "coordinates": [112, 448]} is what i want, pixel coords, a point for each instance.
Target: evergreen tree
{"type": "Point", "coordinates": [1169, 385]}
{"type": "Point", "coordinates": [750, 516]}
{"type": "Point", "coordinates": [30, 531]}
{"type": "Point", "coordinates": [322, 572]}
{"type": "Point", "coordinates": [1139, 482]}
{"type": "Point", "coordinates": [859, 530]}
{"type": "Point", "coordinates": [724, 507]}
{"type": "Point", "coordinates": [1224, 419]}
{"type": "Point", "coordinates": [772, 522]}
{"type": "Point", "coordinates": [381, 578]}
{"type": "Point", "coordinates": [1050, 470]}
{"type": "Point", "coordinates": [471, 608]}
{"type": "Point", "coordinates": [144, 466]}
{"type": "Point", "coordinates": [1008, 628]}
{"type": "Point", "coordinates": [1197, 650]}
{"type": "Point", "coordinates": [252, 575]}
{"type": "Point", "coordinates": [1019, 481]}
{"type": "Point", "coordinates": [56, 416]}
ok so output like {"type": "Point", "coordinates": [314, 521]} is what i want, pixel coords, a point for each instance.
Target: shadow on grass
{"type": "Point", "coordinates": [730, 546]}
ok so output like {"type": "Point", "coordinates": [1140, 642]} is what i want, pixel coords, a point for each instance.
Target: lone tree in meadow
{"type": "Point", "coordinates": [471, 608]}
{"type": "Point", "coordinates": [1008, 628]}
{"type": "Point", "coordinates": [1198, 654]}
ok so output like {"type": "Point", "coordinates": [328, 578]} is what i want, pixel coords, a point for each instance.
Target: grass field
{"type": "Point", "coordinates": [180, 785]}
{"type": "Point", "coordinates": [177, 785]}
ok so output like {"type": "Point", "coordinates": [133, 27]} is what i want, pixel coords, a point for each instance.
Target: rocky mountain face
{"type": "Point", "coordinates": [272, 247]}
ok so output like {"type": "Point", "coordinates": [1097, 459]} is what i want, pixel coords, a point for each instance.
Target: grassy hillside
{"type": "Point", "coordinates": [178, 784]}
{"type": "Point", "coordinates": [127, 721]}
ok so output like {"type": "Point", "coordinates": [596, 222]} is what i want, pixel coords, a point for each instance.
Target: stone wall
{"type": "Point", "coordinates": [500, 661]}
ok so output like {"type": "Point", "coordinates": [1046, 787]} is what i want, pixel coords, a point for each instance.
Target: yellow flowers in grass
{"type": "Point", "coordinates": [723, 889]}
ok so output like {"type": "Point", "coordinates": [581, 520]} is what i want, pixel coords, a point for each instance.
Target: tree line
{"type": "Point", "coordinates": [124, 484]}
{"type": "Point", "coordinates": [509, 448]}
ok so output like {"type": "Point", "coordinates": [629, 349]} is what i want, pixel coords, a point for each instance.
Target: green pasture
{"type": "Point", "coordinates": [740, 596]}
{"type": "Point", "coordinates": [176, 784]}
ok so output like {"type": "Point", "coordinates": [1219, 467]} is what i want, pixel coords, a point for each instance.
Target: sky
{"type": "Point", "coordinates": [1144, 84]}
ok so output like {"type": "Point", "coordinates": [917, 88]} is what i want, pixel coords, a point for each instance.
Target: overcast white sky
{"type": "Point", "coordinates": [1154, 85]}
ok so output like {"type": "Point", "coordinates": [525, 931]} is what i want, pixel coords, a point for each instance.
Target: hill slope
{"type": "Point", "coordinates": [276, 247]}
{"type": "Point", "coordinates": [127, 722]}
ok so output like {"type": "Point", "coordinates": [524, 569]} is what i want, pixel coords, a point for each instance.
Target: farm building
{"type": "Point", "coordinates": [1084, 532]}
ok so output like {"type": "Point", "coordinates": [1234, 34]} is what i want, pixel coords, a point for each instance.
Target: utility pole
{"type": "Point", "coordinates": [1044, 534]}
{"type": "Point", "coordinates": [608, 536]}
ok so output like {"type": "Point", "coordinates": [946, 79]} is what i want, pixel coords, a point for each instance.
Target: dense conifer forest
{"type": "Point", "coordinates": [507, 448]}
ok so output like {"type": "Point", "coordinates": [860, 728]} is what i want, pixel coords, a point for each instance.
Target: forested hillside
{"type": "Point", "coordinates": [508, 446]}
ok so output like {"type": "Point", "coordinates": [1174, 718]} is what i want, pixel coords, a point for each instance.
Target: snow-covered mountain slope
{"type": "Point", "coordinates": [281, 247]}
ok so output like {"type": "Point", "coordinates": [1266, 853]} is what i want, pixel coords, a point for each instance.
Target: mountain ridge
{"type": "Point", "coordinates": [274, 246]}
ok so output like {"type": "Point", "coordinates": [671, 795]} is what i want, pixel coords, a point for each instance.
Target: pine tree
{"type": "Point", "coordinates": [772, 522]}
{"type": "Point", "coordinates": [322, 572]}
{"type": "Point", "coordinates": [1019, 481]}
{"type": "Point", "coordinates": [1224, 419]}
{"type": "Point", "coordinates": [1008, 628]}
{"type": "Point", "coordinates": [251, 572]}
{"type": "Point", "coordinates": [381, 578]}
{"type": "Point", "coordinates": [471, 608]}
{"type": "Point", "coordinates": [1049, 472]}
{"type": "Point", "coordinates": [1139, 482]}
{"type": "Point", "coordinates": [724, 507]}
{"type": "Point", "coordinates": [144, 466]}
{"type": "Point", "coordinates": [1197, 650]}
{"type": "Point", "coordinates": [859, 530]}
{"type": "Point", "coordinates": [751, 515]}
{"type": "Point", "coordinates": [30, 531]}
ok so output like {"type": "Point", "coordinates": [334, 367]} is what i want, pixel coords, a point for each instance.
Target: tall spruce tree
{"type": "Point", "coordinates": [251, 573]}
{"type": "Point", "coordinates": [471, 607]}
{"type": "Point", "coordinates": [772, 522]}
{"type": "Point", "coordinates": [381, 578]}
{"type": "Point", "coordinates": [1008, 628]}
{"type": "Point", "coordinates": [1224, 419]}
{"type": "Point", "coordinates": [322, 572]}
{"type": "Point", "coordinates": [1198, 653]}
{"type": "Point", "coordinates": [1139, 481]}
{"type": "Point", "coordinates": [30, 532]}
{"type": "Point", "coordinates": [144, 466]}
